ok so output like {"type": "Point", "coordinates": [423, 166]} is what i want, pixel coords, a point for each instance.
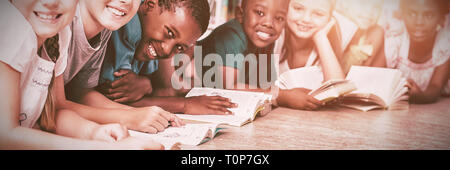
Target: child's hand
{"type": "Point", "coordinates": [298, 99]}
{"type": "Point", "coordinates": [201, 105]}
{"type": "Point", "coordinates": [129, 88]}
{"type": "Point", "coordinates": [109, 133]}
{"type": "Point", "coordinates": [413, 87]}
{"type": "Point", "coordinates": [151, 119]}
{"type": "Point", "coordinates": [323, 33]}
{"type": "Point", "coordinates": [133, 143]}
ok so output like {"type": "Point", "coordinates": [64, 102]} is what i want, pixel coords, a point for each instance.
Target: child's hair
{"type": "Point", "coordinates": [47, 120]}
{"type": "Point", "coordinates": [199, 9]}
{"type": "Point", "coordinates": [442, 4]}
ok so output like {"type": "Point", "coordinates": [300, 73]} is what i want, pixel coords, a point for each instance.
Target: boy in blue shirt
{"type": "Point", "coordinates": [161, 29]}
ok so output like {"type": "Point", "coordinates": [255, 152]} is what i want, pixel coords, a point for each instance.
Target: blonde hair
{"type": "Point", "coordinates": [47, 120]}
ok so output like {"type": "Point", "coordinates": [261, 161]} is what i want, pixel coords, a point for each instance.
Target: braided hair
{"type": "Point", "coordinates": [199, 9]}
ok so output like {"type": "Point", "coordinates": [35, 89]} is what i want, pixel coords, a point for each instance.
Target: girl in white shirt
{"type": "Point", "coordinates": [32, 54]}
{"type": "Point", "coordinates": [420, 48]}
{"type": "Point", "coordinates": [306, 43]}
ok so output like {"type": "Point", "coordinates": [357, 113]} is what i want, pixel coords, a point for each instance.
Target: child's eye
{"type": "Point", "coordinates": [297, 8]}
{"type": "Point", "coordinates": [429, 16]}
{"type": "Point", "coordinates": [171, 34]}
{"type": "Point", "coordinates": [179, 49]}
{"type": "Point", "coordinates": [318, 14]}
{"type": "Point", "coordinates": [280, 19]}
{"type": "Point", "coordinates": [259, 12]}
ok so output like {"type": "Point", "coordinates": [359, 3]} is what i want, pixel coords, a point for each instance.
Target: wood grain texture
{"type": "Point", "coordinates": [420, 127]}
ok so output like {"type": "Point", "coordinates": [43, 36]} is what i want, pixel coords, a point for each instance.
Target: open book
{"type": "Point", "coordinates": [333, 89]}
{"type": "Point", "coordinates": [377, 88]}
{"type": "Point", "coordinates": [249, 105]}
{"type": "Point", "coordinates": [365, 88]}
{"type": "Point", "coordinates": [312, 78]}
{"type": "Point", "coordinates": [191, 134]}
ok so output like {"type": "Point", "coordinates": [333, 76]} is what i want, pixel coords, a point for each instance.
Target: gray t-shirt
{"type": "Point", "coordinates": [84, 61]}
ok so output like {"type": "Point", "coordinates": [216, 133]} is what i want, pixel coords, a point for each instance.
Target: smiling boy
{"type": "Point", "coordinates": [257, 25]}
{"type": "Point", "coordinates": [161, 29]}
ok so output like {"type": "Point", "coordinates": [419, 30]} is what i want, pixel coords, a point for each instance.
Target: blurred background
{"type": "Point", "coordinates": [223, 10]}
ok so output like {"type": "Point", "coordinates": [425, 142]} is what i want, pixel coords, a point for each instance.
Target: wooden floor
{"type": "Point", "coordinates": [420, 127]}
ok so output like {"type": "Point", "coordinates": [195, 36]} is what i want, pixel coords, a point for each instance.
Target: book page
{"type": "Point", "coordinates": [190, 134]}
{"type": "Point", "coordinates": [248, 103]}
{"type": "Point", "coordinates": [377, 81]}
{"type": "Point", "coordinates": [333, 89]}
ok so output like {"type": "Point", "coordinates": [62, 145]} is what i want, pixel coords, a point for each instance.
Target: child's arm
{"type": "Point", "coordinates": [13, 136]}
{"type": "Point", "coordinates": [330, 64]}
{"type": "Point", "coordinates": [376, 37]}
{"type": "Point", "coordinates": [193, 105]}
{"type": "Point", "coordinates": [70, 124]}
{"type": "Point", "coordinates": [380, 58]}
{"type": "Point", "coordinates": [148, 119]}
{"type": "Point", "coordinates": [433, 91]}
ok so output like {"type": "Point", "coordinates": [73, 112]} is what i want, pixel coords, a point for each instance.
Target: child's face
{"type": "Point", "coordinates": [306, 17]}
{"type": "Point", "coordinates": [264, 20]}
{"type": "Point", "coordinates": [364, 13]}
{"type": "Point", "coordinates": [112, 14]}
{"type": "Point", "coordinates": [421, 18]}
{"type": "Point", "coordinates": [165, 34]}
{"type": "Point", "coordinates": [47, 17]}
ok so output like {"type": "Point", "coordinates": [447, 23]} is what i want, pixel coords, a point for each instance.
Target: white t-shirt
{"type": "Point", "coordinates": [18, 49]}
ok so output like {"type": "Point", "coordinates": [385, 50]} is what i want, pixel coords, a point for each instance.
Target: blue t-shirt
{"type": "Point", "coordinates": [120, 53]}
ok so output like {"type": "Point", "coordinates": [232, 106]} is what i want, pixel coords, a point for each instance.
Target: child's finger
{"type": "Point", "coordinates": [225, 104]}
{"type": "Point", "coordinates": [314, 101]}
{"type": "Point", "coordinates": [121, 73]}
{"type": "Point", "coordinates": [218, 111]}
{"type": "Point", "coordinates": [163, 121]}
{"type": "Point", "coordinates": [177, 122]}
{"type": "Point", "coordinates": [116, 95]}
{"type": "Point", "coordinates": [149, 129]}
{"type": "Point", "coordinates": [330, 25]}
{"type": "Point", "coordinates": [158, 126]}
{"type": "Point", "coordinates": [122, 100]}
{"type": "Point", "coordinates": [170, 117]}
{"type": "Point", "coordinates": [165, 114]}
{"type": "Point", "coordinates": [220, 98]}
{"type": "Point", "coordinates": [117, 89]}
{"type": "Point", "coordinates": [219, 108]}
{"type": "Point", "coordinates": [118, 83]}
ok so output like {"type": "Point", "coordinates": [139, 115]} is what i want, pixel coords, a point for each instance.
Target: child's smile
{"type": "Point", "coordinates": [265, 34]}
{"type": "Point", "coordinates": [153, 50]}
{"type": "Point", "coordinates": [304, 27]}
{"type": "Point", "coordinates": [50, 17]}
{"type": "Point", "coordinates": [117, 11]}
